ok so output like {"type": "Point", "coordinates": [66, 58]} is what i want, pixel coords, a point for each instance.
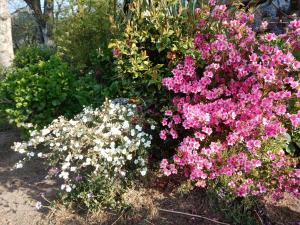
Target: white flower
{"type": "Point", "coordinates": [123, 173]}
{"type": "Point", "coordinates": [64, 175]}
{"type": "Point", "coordinates": [45, 132]}
{"type": "Point", "coordinates": [112, 145]}
{"type": "Point", "coordinates": [144, 171]}
{"type": "Point", "coordinates": [132, 132]}
{"type": "Point", "coordinates": [68, 188]}
{"type": "Point", "coordinates": [72, 122]}
{"type": "Point", "coordinates": [19, 165]}
{"type": "Point", "coordinates": [147, 144]}
{"type": "Point", "coordinates": [129, 157]}
{"type": "Point", "coordinates": [31, 154]}
{"type": "Point", "coordinates": [130, 113]}
{"type": "Point", "coordinates": [41, 139]}
{"type": "Point", "coordinates": [21, 151]}
{"type": "Point", "coordinates": [40, 154]}
{"type": "Point", "coordinates": [138, 127]}
{"type": "Point", "coordinates": [90, 195]}
{"type": "Point", "coordinates": [109, 158]}
{"type": "Point", "coordinates": [125, 124]}
{"type": "Point", "coordinates": [69, 157]}
{"type": "Point", "coordinates": [98, 141]}
{"type": "Point", "coordinates": [152, 127]}
{"type": "Point", "coordinates": [146, 13]}
{"type": "Point", "coordinates": [88, 161]}
{"type": "Point", "coordinates": [65, 166]}
{"type": "Point", "coordinates": [38, 205]}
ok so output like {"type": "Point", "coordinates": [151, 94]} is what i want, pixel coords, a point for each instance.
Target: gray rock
{"type": "Point", "coordinates": [270, 11]}
{"type": "Point", "coordinates": [121, 101]}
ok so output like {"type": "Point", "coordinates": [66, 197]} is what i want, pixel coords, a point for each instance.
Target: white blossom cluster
{"type": "Point", "coordinates": [107, 141]}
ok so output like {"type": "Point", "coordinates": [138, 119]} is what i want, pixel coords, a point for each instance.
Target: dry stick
{"type": "Point", "coordinates": [193, 215]}
{"type": "Point", "coordinates": [260, 219]}
{"type": "Point", "coordinates": [118, 218]}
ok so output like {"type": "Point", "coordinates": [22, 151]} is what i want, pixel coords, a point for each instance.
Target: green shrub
{"type": "Point", "coordinates": [41, 91]}
{"type": "Point", "coordinates": [151, 40]}
{"type": "Point", "coordinates": [32, 54]}
{"type": "Point", "coordinates": [293, 143]}
{"type": "Point", "coordinates": [78, 35]}
{"type": "Point", "coordinates": [155, 38]}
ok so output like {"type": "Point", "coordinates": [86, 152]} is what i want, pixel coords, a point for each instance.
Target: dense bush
{"type": "Point", "coordinates": [96, 154]}
{"type": "Point", "coordinates": [32, 54]}
{"type": "Point", "coordinates": [42, 89]}
{"type": "Point", "coordinates": [155, 38]}
{"type": "Point", "coordinates": [82, 31]}
{"type": "Point", "coordinates": [231, 107]}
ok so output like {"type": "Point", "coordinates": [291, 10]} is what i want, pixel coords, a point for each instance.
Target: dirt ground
{"type": "Point", "coordinates": [21, 189]}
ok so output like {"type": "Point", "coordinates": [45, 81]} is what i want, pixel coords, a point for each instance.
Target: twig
{"type": "Point", "coordinates": [118, 218]}
{"type": "Point", "coordinates": [260, 219]}
{"type": "Point", "coordinates": [193, 215]}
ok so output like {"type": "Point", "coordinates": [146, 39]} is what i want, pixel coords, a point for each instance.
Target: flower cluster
{"type": "Point", "coordinates": [230, 108]}
{"type": "Point", "coordinates": [107, 142]}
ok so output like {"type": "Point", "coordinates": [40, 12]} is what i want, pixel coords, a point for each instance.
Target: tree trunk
{"type": "Point", "coordinates": [44, 19]}
{"type": "Point", "coordinates": [48, 18]}
{"type": "Point", "coordinates": [6, 44]}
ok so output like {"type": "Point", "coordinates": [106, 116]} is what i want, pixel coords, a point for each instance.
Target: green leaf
{"type": "Point", "coordinates": [291, 148]}
{"type": "Point", "coordinates": [55, 102]}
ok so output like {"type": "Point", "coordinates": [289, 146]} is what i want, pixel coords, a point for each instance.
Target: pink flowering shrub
{"type": "Point", "coordinates": [231, 107]}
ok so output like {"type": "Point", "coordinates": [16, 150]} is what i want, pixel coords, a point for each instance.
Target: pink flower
{"type": "Point", "coordinates": [295, 119]}
{"type": "Point", "coordinates": [212, 2]}
{"type": "Point", "coordinates": [164, 122]}
{"type": "Point", "coordinates": [200, 136]}
{"type": "Point", "coordinates": [173, 133]}
{"type": "Point", "coordinates": [264, 25]}
{"type": "Point", "coordinates": [163, 134]}
{"type": "Point", "coordinates": [176, 119]}
{"type": "Point", "coordinates": [197, 10]}
{"type": "Point", "coordinates": [207, 130]}
{"type": "Point", "coordinates": [168, 113]}
{"type": "Point", "coordinates": [269, 37]}
{"type": "Point", "coordinates": [116, 52]}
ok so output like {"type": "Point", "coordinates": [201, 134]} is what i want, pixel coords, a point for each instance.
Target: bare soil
{"type": "Point", "coordinates": [21, 189]}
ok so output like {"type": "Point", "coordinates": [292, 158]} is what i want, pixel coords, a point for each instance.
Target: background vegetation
{"type": "Point", "coordinates": [96, 50]}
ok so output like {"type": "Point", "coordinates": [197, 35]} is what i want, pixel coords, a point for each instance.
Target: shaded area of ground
{"type": "Point", "coordinates": [21, 189]}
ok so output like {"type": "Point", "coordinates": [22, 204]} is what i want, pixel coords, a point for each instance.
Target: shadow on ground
{"type": "Point", "coordinates": [20, 189]}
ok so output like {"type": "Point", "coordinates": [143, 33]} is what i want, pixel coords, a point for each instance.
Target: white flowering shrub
{"type": "Point", "coordinates": [96, 154]}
